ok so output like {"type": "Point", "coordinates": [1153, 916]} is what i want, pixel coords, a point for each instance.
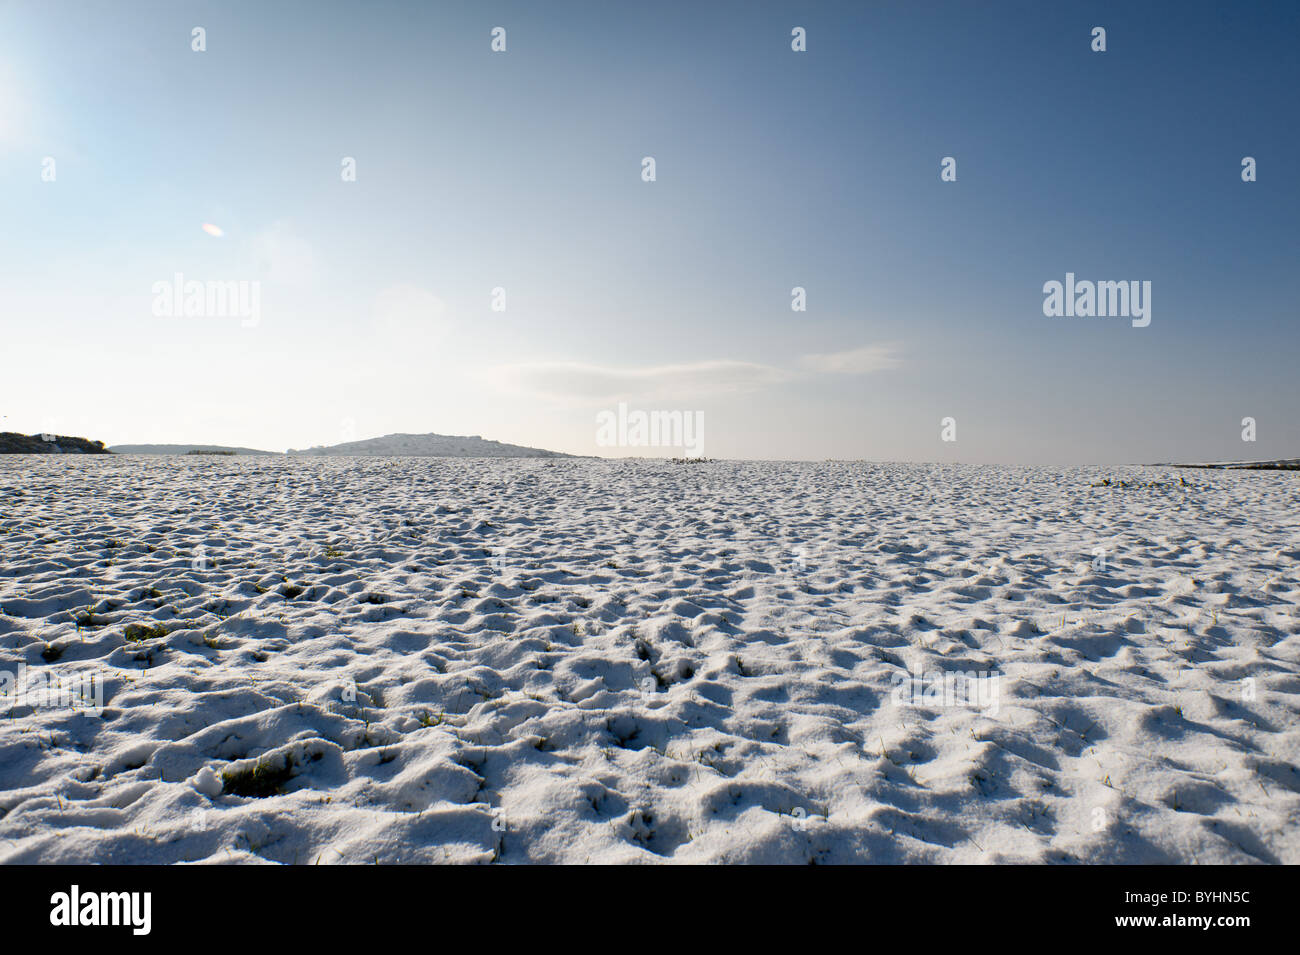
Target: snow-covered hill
{"type": "Point", "coordinates": [432, 445]}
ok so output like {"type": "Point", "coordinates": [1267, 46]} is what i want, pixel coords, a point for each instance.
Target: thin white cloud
{"type": "Point", "coordinates": [579, 380]}
{"type": "Point", "coordinates": [720, 376]}
{"type": "Point", "coordinates": [855, 361]}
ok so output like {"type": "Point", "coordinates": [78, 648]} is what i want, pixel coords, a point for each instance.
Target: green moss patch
{"type": "Point", "coordinates": [260, 780]}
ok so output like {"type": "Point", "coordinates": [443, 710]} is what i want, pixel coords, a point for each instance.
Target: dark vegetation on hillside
{"type": "Point", "coordinates": [1290, 464]}
{"type": "Point", "coordinates": [11, 442]}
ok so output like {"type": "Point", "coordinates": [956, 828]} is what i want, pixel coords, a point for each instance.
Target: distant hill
{"type": "Point", "coordinates": [181, 449]}
{"type": "Point", "coordinates": [431, 446]}
{"type": "Point", "coordinates": [11, 442]}
{"type": "Point", "coordinates": [1283, 464]}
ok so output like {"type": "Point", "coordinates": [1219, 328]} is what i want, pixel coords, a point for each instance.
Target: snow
{"type": "Point", "coordinates": [531, 660]}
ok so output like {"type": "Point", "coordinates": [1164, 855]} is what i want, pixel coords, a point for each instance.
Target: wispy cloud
{"type": "Point", "coordinates": [855, 361]}
{"type": "Point", "coordinates": [579, 380]}
{"type": "Point", "coordinates": [720, 376]}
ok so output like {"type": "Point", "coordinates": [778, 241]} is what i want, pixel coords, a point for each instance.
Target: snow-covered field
{"type": "Point", "coordinates": [420, 660]}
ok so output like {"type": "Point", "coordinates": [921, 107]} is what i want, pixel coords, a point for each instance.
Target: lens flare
{"type": "Point", "coordinates": [213, 230]}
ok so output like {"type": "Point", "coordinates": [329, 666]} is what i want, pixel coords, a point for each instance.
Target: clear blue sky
{"type": "Point", "coordinates": [775, 169]}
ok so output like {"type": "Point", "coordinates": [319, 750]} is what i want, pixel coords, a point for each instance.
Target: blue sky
{"type": "Point", "coordinates": [775, 169]}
